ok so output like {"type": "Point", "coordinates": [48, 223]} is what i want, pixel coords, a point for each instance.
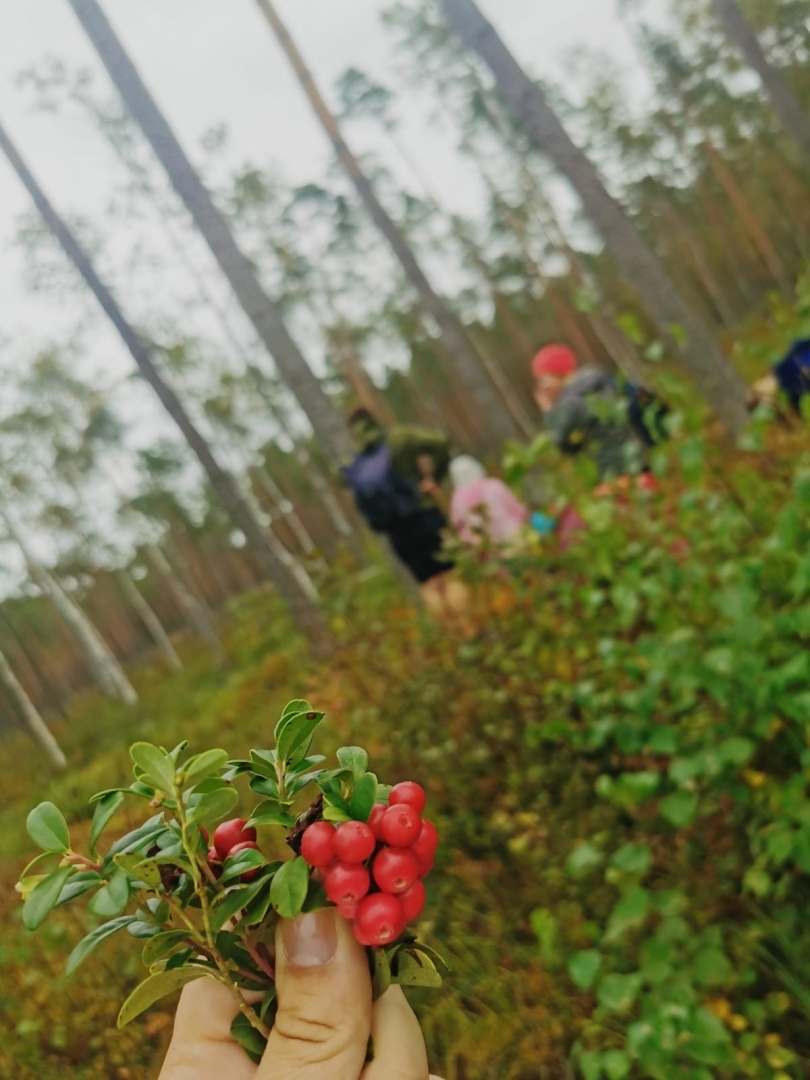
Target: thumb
{"type": "Point", "coordinates": [323, 1023]}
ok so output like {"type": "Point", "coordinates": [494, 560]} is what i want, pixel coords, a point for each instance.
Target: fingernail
{"type": "Point", "coordinates": [310, 940]}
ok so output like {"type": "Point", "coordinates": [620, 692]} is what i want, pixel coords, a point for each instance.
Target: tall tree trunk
{"type": "Point", "coordinates": [794, 119]}
{"type": "Point", "coordinates": [263, 312]}
{"type": "Point", "coordinates": [36, 725]}
{"type": "Point", "coordinates": [471, 371]}
{"type": "Point", "coordinates": [304, 611]}
{"type": "Point", "coordinates": [193, 610]}
{"type": "Point", "coordinates": [751, 223]}
{"type": "Point", "coordinates": [104, 667]}
{"type": "Point", "coordinates": [149, 620]}
{"type": "Point", "coordinates": [700, 261]}
{"type": "Point", "coordinates": [701, 356]}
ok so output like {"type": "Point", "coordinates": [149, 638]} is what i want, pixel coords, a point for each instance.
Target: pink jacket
{"type": "Point", "coordinates": [487, 508]}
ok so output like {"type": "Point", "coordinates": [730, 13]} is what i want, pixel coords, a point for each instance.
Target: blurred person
{"type": "Point", "coordinates": [396, 479]}
{"type": "Point", "coordinates": [483, 507]}
{"type": "Point", "coordinates": [789, 376]}
{"type": "Point", "coordinates": [325, 1020]}
{"type": "Point", "coordinates": [585, 411]}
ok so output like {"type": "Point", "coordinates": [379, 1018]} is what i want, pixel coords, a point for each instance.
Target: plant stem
{"type": "Point", "coordinates": [201, 890]}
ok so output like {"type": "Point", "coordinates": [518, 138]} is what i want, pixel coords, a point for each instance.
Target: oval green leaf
{"type": "Point", "coordinates": [156, 987]}
{"type": "Point", "coordinates": [113, 897]}
{"type": "Point", "coordinates": [234, 867]}
{"type": "Point", "coordinates": [105, 808]}
{"type": "Point", "coordinates": [203, 765]}
{"type": "Point", "coordinates": [214, 806]}
{"type": "Point", "coordinates": [94, 939]}
{"type": "Point", "coordinates": [353, 758]}
{"type": "Point", "coordinates": [43, 898]}
{"type": "Point", "coordinates": [289, 889]}
{"type": "Point", "coordinates": [156, 764]}
{"type": "Point", "coordinates": [47, 828]}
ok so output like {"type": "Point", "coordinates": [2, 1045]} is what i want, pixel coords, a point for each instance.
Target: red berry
{"type": "Point", "coordinates": [213, 855]}
{"type": "Point", "coordinates": [425, 865]}
{"type": "Point", "coordinates": [380, 920]}
{"type": "Point", "coordinates": [395, 870]}
{"type": "Point", "coordinates": [318, 844]}
{"type": "Point", "coordinates": [408, 794]}
{"type": "Point", "coordinates": [249, 845]}
{"type": "Point", "coordinates": [349, 911]}
{"type": "Point", "coordinates": [354, 842]}
{"type": "Point", "coordinates": [425, 845]}
{"type": "Point", "coordinates": [346, 884]}
{"type": "Point", "coordinates": [412, 901]}
{"type": "Point", "coordinates": [401, 825]}
{"type": "Point", "coordinates": [375, 821]}
{"type": "Point", "coordinates": [231, 833]}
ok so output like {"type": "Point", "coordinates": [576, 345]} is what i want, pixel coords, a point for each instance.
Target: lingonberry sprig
{"type": "Point", "coordinates": [195, 885]}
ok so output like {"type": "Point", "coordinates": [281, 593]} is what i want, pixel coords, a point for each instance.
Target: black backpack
{"type": "Point", "coordinates": [382, 496]}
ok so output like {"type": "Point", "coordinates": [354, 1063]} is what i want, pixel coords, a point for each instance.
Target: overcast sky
{"type": "Point", "coordinates": [215, 61]}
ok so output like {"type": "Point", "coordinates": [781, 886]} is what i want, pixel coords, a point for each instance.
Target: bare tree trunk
{"type": "Point", "coordinates": [193, 610]}
{"type": "Point", "coordinates": [794, 120]}
{"type": "Point", "coordinates": [751, 223]}
{"type": "Point", "coordinates": [304, 611]}
{"type": "Point", "coordinates": [700, 355]}
{"type": "Point", "coordinates": [37, 726]}
{"type": "Point", "coordinates": [471, 371]}
{"type": "Point", "coordinates": [149, 619]}
{"type": "Point", "coordinates": [263, 312]}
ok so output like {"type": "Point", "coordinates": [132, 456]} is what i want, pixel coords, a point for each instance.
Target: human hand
{"type": "Point", "coordinates": [324, 1021]}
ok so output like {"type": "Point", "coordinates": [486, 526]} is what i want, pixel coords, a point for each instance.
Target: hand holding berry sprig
{"type": "Point", "coordinates": [207, 906]}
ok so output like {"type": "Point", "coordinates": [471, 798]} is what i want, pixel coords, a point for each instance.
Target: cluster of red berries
{"type": "Point", "coordinates": [373, 872]}
{"type": "Point", "coordinates": [230, 838]}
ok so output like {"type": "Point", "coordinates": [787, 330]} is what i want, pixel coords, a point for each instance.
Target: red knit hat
{"type": "Point", "coordinates": [555, 360]}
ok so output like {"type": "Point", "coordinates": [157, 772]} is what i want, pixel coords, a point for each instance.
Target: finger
{"type": "Point", "coordinates": [399, 1047]}
{"type": "Point", "coordinates": [202, 1047]}
{"type": "Point", "coordinates": [323, 1023]}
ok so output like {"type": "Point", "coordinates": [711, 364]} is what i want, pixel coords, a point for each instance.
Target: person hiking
{"type": "Point", "coordinates": [396, 479]}
{"type": "Point", "coordinates": [586, 411]}
{"type": "Point", "coordinates": [789, 376]}
{"type": "Point", "coordinates": [483, 507]}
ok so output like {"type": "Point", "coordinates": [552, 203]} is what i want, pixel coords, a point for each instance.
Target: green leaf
{"type": "Point", "coordinates": [264, 785]}
{"type": "Point", "coordinates": [590, 1064]}
{"type": "Point", "coordinates": [83, 881]}
{"type": "Point", "coordinates": [583, 967]}
{"type": "Point", "coordinates": [412, 968]}
{"type": "Point", "coordinates": [629, 913]}
{"type": "Point", "coordinates": [270, 813]}
{"type": "Point", "coordinates": [235, 866]}
{"type": "Point", "coordinates": [156, 987]}
{"type": "Point", "coordinates": [362, 799]}
{"type": "Point", "coordinates": [679, 808]}
{"type": "Point", "coordinates": [292, 708]}
{"type": "Point", "coordinates": [145, 870]}
{"type": "Point", "coordinates": [203, 765]}
{"type": "Point", "coordinates": [252, 1041]}
{"type": "Point", "coordinates": [632, 859]}
{"type": "Point", "coordinates": [296, 737]}
{"type": "Point", "coordinates": [336, 814]}
{"type": "Point", "coordinates": [48, 828]}
{"type": "Point", "coordinates": [353, 758]}
{"type": "Point", "coordinates": [161, 945]}
{"type": "Point", "coordinates": [144, 836]}
{"type": "Point", "coordinates": [256, 911]}
{"type": "Point", "coordinates": [381, 979]}
{"type": "Point", "coordinates": [736, 750]}
{"type": "Point", "coordinates": [233, 902]}
{"type": "Point", "coordinates": [618, 992]}
{"type": "Point", "coordinates": [711, 967]}
{"type": "Point", "coordinates": [113, 897]}
{"type": "Point", "coordinates": [94, 939]}
{"type": "Point", "coordinates": [544, 926]}
{"type": "Point", "coordinates": [289, 889]}
{"type": "Point", "coordinates": [43, 898]}
{"type": "Point", "coordinates": [616, 1063]}
{"type": "Point", "coordinates": [105, 808]}
{"type": "Point", "coordinates": [583, 860]}
{"type": "Point", "coordinates": [156, 764]}
{"type": "Point", "coordinates": [214, 806]}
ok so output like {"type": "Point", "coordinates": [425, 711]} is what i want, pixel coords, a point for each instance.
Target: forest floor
{"type": "Point", "coordinates": [617, 756]}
